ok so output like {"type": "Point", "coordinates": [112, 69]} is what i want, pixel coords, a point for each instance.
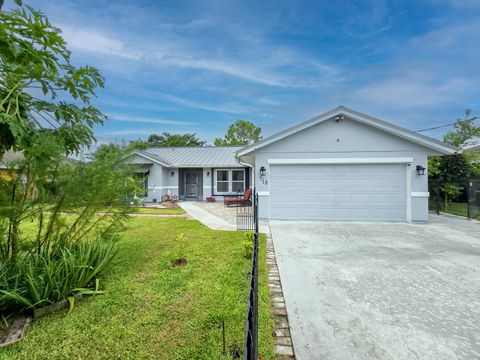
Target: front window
{"type": "Point", "coordinates": [238, 181]}
{"type": "Point", "coordinates": [229, 181]}
{"type": "Point", "coordinates": [223, 181]}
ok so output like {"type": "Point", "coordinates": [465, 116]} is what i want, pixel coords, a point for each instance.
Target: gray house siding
{"type": "Point", "coordinates": [341, 140]}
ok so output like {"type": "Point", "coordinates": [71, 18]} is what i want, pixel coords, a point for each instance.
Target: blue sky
{"type": "Point", "coordinates": [197, 66]}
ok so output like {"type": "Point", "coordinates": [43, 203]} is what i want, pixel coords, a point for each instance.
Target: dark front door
{"type": "Point", "coordinates": [191, 185]}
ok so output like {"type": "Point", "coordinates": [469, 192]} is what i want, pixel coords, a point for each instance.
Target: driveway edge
{"type": "Point", "coordinates": [283, 340]}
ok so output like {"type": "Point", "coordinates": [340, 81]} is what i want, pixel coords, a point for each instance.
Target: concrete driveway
{"type": "Point", "coordinates": [381, 291]}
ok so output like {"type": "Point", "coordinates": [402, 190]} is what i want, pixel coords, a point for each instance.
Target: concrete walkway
{"type": "Point", "coordinates": [205, 217]}
{"type": "Point", "coordinates": [216, 217]}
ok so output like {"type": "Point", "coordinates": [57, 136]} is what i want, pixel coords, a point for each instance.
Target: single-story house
{"type": "Point", "coordinates": [340, 165]}
{"type": "Point", "coordinates": [191, 173]}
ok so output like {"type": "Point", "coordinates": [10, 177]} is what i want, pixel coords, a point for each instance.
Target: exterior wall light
{"type": "Point", "coordinates": [420, 170]}
{"type": "Point", "coordinates": [208, 173]}
{"type": "Point", "coordinates": [172, 174]}
{"type": "Point", "coordinates": [263, 171]}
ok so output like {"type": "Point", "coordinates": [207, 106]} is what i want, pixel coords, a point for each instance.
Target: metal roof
{"type": "Point", "coordinates": [472, 148]}
{"type": "Point", "coordinates": [208, 156]}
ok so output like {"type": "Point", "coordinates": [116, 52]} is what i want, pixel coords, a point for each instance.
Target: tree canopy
{"type": "Point", "coordinates": [166, 139]}
{"type": "Point", "coordinates": [465, 130]}
{"type": "Point", "coordinates": [240, 133]}
{"type": "Point", "coordinates": [39, 88]}
{"type": "Point", "coordinates": [459, 166]}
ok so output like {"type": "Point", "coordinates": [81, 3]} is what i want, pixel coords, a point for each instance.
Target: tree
{"type": "Point", "coordinates": [240, 133]}
{"type": "Point", "coordinates": [136, 145]}
{"type": "Point", "coordinates": [166, 139]}
{"type": "Point", "coordinates": [459, 166]}
{"type": "Point", "coordinates": [105, 151]}
{"type": "Point", "coordinates": [465, 130]}
{"type": "Point", "coordinates": [34, 59]}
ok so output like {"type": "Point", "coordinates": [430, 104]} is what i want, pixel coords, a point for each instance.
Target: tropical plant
{"type": "Point", "coordinates": [69, 244]}
{"type": "Point", "coordinates": [50, 276]}
{"type": "Point", "coordinates": [34, 60]}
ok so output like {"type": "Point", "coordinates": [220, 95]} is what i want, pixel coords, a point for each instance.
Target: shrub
{"type": "Point", "coordinates": [49, 276]}
{"type": "Point", "coordinates": [248, 244]}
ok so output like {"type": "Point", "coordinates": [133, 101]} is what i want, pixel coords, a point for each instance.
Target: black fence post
{"type": "Point", "coordinates": [468, 198]}
{"type": "Point", "coordinates": [251, 331]}
{"type": "Point", "coordinates": [437, 197]}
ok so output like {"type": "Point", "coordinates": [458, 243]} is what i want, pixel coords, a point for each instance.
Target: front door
{"type": "Point", "coordinates": [191, 185]}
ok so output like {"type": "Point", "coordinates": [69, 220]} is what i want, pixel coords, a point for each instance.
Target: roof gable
{"type": "Point", "coordinates": [340, 111]}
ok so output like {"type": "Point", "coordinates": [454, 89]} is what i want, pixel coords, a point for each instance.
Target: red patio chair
{"type": "Point", "coordinates": [239, 201]}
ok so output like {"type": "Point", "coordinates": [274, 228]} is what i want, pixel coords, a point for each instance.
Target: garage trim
{"type": "Point", "coordinates": [341, 161]}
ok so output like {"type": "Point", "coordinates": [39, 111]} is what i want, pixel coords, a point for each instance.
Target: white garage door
{"type": "Point", "coordinates": [375, 192]}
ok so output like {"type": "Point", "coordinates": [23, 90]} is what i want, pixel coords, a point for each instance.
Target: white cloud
{"type": "Point", "coordinates": [461, 4]}
{"type": "Point", "coordinates": [126, 132]}
{"type": "Point", "coordinates": [142, 119]}
{"type": "Point", "coordinates": [410, 92]}
{"type": "Point", "coordinates": [268, 68]}
{"type": "Point", "coordinates": [226, 108]}
{"type": "Point", "coordinates": [98, 42]}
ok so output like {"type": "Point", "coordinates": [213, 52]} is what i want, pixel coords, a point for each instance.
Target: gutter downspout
{"type": "Point", "coordinates": [249, 166]}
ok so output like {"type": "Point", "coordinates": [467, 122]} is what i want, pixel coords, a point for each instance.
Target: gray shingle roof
{"type": "Point", "coordinates": [208, 156]}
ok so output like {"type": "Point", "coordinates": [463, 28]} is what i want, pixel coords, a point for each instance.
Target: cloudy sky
{"type": "Point", "coordinates": [197, 66]}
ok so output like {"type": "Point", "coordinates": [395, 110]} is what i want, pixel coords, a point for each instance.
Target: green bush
{"type": "Point", "coordinates": [47, 277]}
{"type": "Point", "coordinates": [248, 244]}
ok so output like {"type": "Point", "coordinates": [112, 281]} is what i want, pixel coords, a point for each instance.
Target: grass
{"type": "Point", "coordinates": [453, 208]}
{"type": "Point", "coordinates": [154, 310]}
{"type": "Point", "coordinates": [159, 211]}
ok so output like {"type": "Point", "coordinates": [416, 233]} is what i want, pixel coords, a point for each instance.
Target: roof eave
{"type": "Point", "coordinates": [148, 156]}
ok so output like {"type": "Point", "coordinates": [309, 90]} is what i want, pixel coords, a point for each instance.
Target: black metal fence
{"type": "Point", "coordinates": [251, 333]}
{"type": "Point", "coordinates": [460, 197]}
{"type": "Point", "coordinates": [245, 215]}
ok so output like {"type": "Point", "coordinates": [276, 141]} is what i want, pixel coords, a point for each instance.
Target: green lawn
{"type": "Point", "coordinates": [156, 311]}
{"type": "Point", "coordinates": [161, 211]}
{"type": "Point", "coordinates": [166, 211]}
{"type": "Point", "coordinates": [453, 208]}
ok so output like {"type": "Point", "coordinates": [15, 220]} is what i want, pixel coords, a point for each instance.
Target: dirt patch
{"type": "Point", "coordinates": [235, 352]}
{"type": "Point", "coordinates": [179, 262]}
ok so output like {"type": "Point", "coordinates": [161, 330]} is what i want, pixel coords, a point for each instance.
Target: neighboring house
{"type": "Point", "coordinates": [8, 163]}
{"type": "Point", "coordinates": [11, 159]}
{"type": "Point", "coordinates": [472, 148]}
{"type": "Point", "coordinates": [340, 165]}
{"type": "Point", "coordinates": [192, 173]}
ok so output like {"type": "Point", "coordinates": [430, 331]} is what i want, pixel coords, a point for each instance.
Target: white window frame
{"type": "Point", "coordinates": [230, 180]}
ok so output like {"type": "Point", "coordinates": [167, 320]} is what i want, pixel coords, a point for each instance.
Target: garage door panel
{"type": "Point", "coordinates": [374, 192]}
